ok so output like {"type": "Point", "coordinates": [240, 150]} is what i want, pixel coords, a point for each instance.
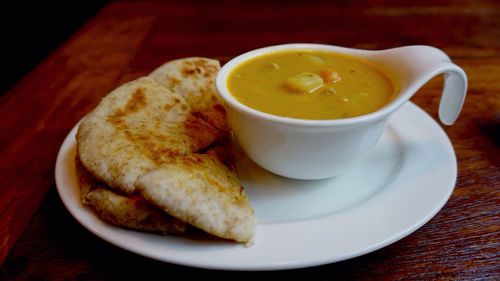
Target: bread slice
{"type": "Point", "coordinates": [129, 211]}
{"type": "Point", "coordinates": [157, 142]}
{"type": "Point", "coordinates": [136, 128]}
{"type": "Point", "coordinates": [194, 79]}
{"type": "Point", "coordinates": [203, 192]}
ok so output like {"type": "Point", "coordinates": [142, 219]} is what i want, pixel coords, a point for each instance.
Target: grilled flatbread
{"type": "Point", "coordinates": [200, 190]}
{"type": "Point", "coordinates": [136, 128]}
{"type": "Point", "coordinates": [194, 79]}
{"type": "Point", "coordinates": [129, 211]}
{"type": "Point", "coordinates": [157, 142]}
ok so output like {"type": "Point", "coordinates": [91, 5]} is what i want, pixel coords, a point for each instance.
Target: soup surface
{"type": "Point", "coordinates": [309, 84]}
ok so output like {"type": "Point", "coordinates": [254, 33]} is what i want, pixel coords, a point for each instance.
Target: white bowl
{"type": "Point", "coordinates": [316, 149]}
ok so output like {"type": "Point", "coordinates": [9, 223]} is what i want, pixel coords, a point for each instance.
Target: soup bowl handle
{"type": "Point", "coordinates": [419, 64]}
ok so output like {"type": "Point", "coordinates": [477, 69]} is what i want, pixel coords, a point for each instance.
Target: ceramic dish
{"type": "Point", "coordinates": [395, 189]}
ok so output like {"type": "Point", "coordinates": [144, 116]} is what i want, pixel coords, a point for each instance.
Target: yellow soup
{"type": "Point", "coordinates": [310, 84]}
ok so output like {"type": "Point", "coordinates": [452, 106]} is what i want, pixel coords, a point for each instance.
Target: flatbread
{"type": "Point", "coordinates": [203, 192]}
{"type": "Point", "coordinates": [136, 128]}
{"type": "Point", "coordinates": [194, 79]}
{"type": "Point", "coordinates": [162, 139]}
{"type": "Point", "coordinates": [129, 211]}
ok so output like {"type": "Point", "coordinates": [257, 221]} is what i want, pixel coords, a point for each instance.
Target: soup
{"type": "Point", "coordinates": [309, 84]}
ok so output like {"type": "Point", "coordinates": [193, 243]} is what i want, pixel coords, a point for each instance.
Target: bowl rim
{"type": "Point", "coordinates": [233, 103]}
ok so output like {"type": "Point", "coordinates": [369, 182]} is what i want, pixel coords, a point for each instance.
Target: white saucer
{"type": "Point", "coordinates": [399, 186]}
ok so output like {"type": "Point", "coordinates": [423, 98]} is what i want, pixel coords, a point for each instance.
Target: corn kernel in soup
{"type": "Point", "coordinates": [310, 84]}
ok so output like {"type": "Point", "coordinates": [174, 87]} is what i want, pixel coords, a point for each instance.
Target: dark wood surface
{"type": "Point", "coordinates": [40, 240]}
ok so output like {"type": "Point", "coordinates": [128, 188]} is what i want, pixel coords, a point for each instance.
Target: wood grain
{"type": "Point", "coordinates": [128, 39]}
{"type": "Point", "coordinates": [37, 113]}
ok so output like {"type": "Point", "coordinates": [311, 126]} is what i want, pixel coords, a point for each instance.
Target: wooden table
{"type": "Point", "coordinates": [40, 240]}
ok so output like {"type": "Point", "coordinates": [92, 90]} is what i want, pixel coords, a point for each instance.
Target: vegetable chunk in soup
{"type": "Point", "coordinates": [310, 84]}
